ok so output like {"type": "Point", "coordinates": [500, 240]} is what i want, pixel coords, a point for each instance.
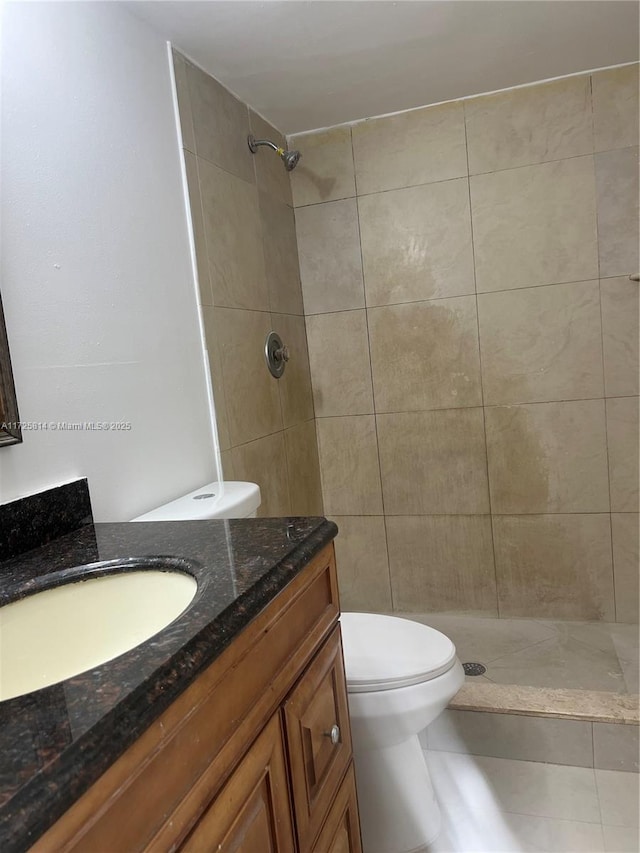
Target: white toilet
{"type": "Point", "coordinates": [400, 676]}
{"type": "Point", "coordinates": [229, 499]}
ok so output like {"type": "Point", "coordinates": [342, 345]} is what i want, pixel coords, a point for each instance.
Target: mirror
{"type": "Point", "coordinates": [10, 432]}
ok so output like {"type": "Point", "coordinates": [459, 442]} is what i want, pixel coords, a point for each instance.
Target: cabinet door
{"type": "Point", "coordinates": [318, 737]}
{"type": "Point", "coordinates": [341, 832]}
{"type": "Point", "coordinates": [252, 812]}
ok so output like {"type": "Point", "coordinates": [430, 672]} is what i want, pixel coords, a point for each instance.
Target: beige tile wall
{"type": "Point", "coordinates": [473, 339]}
{"type": "Point", "coordinates": [249, 281]}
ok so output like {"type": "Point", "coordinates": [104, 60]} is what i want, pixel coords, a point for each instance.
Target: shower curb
{"type": "Point", "coordinates": [564, 704]}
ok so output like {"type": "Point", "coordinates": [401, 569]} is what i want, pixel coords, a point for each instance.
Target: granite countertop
{"type": "Point", "coordinates": [55, 742]}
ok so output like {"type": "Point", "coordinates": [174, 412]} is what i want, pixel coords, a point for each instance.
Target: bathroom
{"type": "Point", "coordinates": [450, 267]}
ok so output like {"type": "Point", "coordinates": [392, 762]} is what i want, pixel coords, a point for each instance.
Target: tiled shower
{"type": "Point", "coordinates": [473, 340]}
{"type": "Point", "coordinates": [460, 277]}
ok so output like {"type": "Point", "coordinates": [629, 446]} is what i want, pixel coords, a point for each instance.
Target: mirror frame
{"type": "Point", "coordinates": [10, 432]}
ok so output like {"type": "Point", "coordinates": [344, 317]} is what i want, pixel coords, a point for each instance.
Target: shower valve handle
{"type": "Point", "coordinates": [282, 353]}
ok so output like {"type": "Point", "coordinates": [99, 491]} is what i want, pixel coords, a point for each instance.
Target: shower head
{"type": "Point", "coordinates": [289, 158]}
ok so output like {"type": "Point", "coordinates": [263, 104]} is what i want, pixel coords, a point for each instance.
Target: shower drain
{"type": "Point", "coordinates": [474, 669]}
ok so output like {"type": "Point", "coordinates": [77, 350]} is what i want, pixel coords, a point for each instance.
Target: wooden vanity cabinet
{"type": "Point", "coordinates": [252, 812]}
{"type": "Point", "coordinates": [255, 756]}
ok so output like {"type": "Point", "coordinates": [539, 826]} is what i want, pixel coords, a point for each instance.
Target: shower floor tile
{"type": "Point", "coordinates": [596, 656]}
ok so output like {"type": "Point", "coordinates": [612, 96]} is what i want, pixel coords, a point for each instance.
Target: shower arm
{"type": "Point", "coordinates": [254, 143]}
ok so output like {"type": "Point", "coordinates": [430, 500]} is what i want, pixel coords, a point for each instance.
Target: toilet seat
{"type": "Point", "coordinates": [387, 652]}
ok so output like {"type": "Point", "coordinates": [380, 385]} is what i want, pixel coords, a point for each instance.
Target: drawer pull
{"type": "Point", "coordinates": [334, 734]}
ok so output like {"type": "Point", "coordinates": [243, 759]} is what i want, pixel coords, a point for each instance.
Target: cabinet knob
{"type": "Point", "coordinates": [334, 734]}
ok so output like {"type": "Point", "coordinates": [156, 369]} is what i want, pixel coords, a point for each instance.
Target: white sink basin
{"type": "Point", "coordinates": [65, 630]}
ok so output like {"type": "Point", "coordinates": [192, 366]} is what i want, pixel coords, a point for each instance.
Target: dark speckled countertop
{"type": "Point", "coordinates": [55, 742]}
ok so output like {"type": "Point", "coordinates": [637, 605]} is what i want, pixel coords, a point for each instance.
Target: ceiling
{"type": "Point", "coordinates": [311, 64]}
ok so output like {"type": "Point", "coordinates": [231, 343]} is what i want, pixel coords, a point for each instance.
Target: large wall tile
{"type": "Point", "coordinates": [271, 175]}
{"type": "Point", "coordinates": [620, 332]}
{"type": "Point", "coordinates": [325, 170]}
{"type": "Point", "coordinates": [416, 243]}
{"type": "Point", "coordinates": [424, 355]}
{"type": "Point", "coordinates": [280, 256]}
{"type": "Point", "coordinates": [220, 124]}
{"type": "Point", "coordinates": [304, 470]}
{"type": "Point", "coordinates": [197, 222]}
{"type": "Point", "coordinates": [541, 343]}
{"type": "Point", "coordinates": [554, 566]}
{"type": "Point", "coordinates": [535, 225]}
{"type": "Point", "coordinates": [622, 439]}
{"type": "Point", "coordinates": [615, 107]}
{"type": "Point", "coordinates": [264, 462]}
{"type": "Point", "coordinates": [184, 101]}
{"type": "Point", "coordinates": [340, 367]}
{"type": "Point", "coordinates": [616, 747]}
{"type": "Point", "coordinates": [626, 561]}
{"type": "Point", "coordinates": [617, 186]}
{"type": "Point", "coordinates": [529, 125]}
{"type": "Point", "coordinates": [295, 383]}
{"type": "Point", "coordinates": [234, 239]}
{"type": "Point", "coordinates": [251, 393]}
{"type": "Point", "coordinates": [410, 148]}
{"type": "Point", "coordinates": [209, 319]}
{"type": "Point", "coordinates": [548, 457]}
{"type": "Point", "coordinates": [349, 465]}
{"type": "Point", "coordinates": [433, 462]}
{"type": "Point", "coordinates": [362, 563]}
{"type": "Point", "coordinates": [514, 736]}
{"type": "Point", "coordinates": [442, 562]}
{"type": "Point", "coordinates": [226, 462]}
{"type": "Point", "coordinates": [330, 261]}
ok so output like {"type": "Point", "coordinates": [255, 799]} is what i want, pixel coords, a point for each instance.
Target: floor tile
{"type": "Point", "coordinates": [621, 839]}
{"type": "Point", "coordinates": [476, 785]}
{"type": "Point", "coordinates": [511, 833]}
{"type": "Point", "coordinates": [555, 836]}
{"type": "Point", "coordinates": [546, 790]}
{"type": "Point", "coordinates": [618, 793]}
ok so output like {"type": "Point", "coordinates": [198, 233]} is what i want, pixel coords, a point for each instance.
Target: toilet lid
{"type": "Point", "coordinates": [387, 652]}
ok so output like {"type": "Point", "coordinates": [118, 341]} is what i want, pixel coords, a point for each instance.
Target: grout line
{"type": "Point", "coordinates": [468, 175]}
{"type": "Point", "coordinates": [471, 293]}
{"type": "Point", "coordinates": [373, 396]}
{"type": "Point", "coordinates": [267, 435]}
{"type": "Point", "coordinates": [596, 786]}
{"type": "Point", "coordinates": [284, 439]}
{"type": "Point", "coordinates": [255, 310]}
{"type": "Point", "coordinates": [523, 649]}
{"type": "Point", "coordinates": [486, 406]}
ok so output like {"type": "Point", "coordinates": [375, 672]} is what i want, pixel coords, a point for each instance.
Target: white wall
{"type": "Point", "coordinates": [97, 280]}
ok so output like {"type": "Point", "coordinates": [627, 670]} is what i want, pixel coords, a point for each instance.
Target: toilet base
{"type": "Point", "coordinates": [398, 808]}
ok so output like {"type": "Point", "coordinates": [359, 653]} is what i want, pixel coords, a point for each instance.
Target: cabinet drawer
{"type": "Point", "coordinates": [318, 737]}
{"type": "Point", "coordinates": [252, 812]}
{"type": "Point", "coordinates": [341, 831]}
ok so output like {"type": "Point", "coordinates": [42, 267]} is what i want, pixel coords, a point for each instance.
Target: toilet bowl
{"type": "Point", "coordinates": [400, 676]}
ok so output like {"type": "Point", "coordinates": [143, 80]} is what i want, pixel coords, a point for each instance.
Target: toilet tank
{"type": "Point", "coordinates": [229, 499]}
